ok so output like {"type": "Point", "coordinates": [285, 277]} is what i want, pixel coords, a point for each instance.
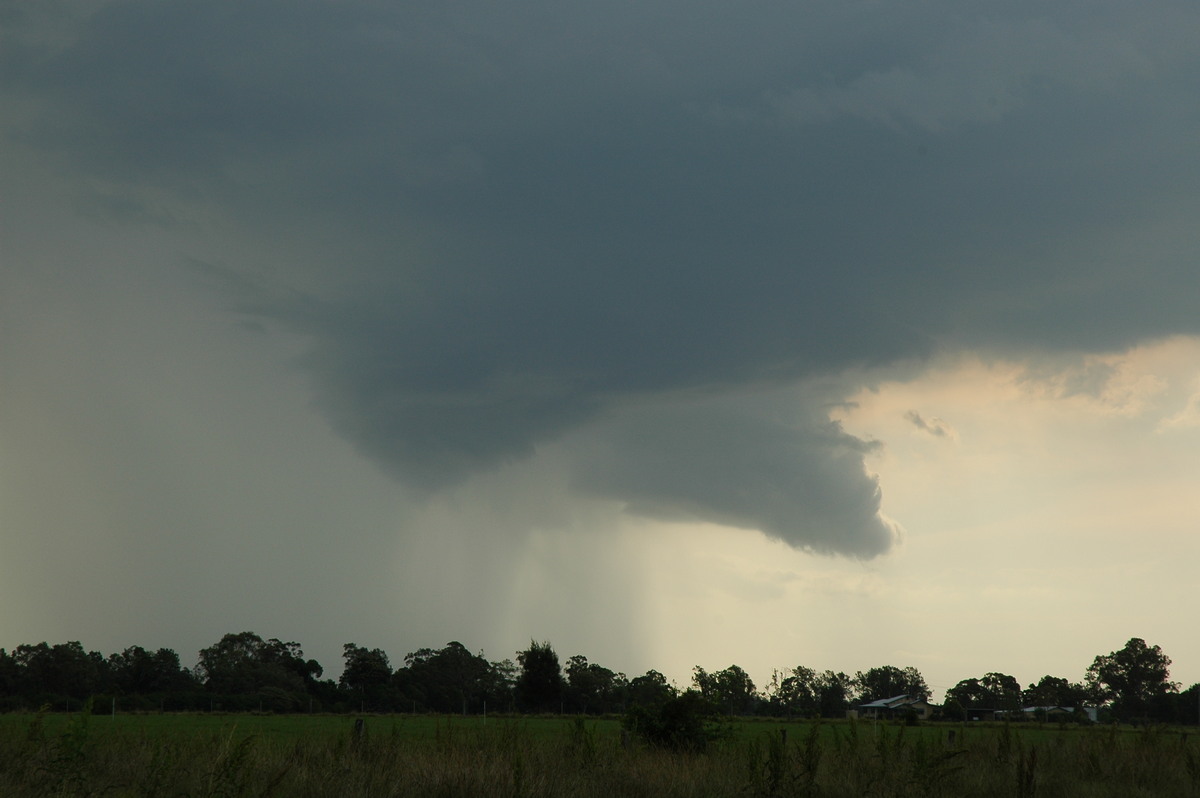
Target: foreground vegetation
{"type": "Point", "coordinates": [328, 756]}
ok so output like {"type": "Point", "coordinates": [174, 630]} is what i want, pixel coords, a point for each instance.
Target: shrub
{"type": "Point", "coordinates": [687, 722]}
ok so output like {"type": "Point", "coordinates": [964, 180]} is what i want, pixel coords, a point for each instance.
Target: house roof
{"type": "Point", "coordinates": [893, 702]}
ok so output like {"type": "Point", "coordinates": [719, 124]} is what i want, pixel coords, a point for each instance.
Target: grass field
{"type": "Point", "coordinates": [404, 755]}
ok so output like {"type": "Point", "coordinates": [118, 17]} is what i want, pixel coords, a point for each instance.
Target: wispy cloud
{"type": "Point", "coordinates": [934, 426]}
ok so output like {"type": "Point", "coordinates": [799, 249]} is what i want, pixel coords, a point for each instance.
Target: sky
{"type": "Point", "coordinates": [837, 334]}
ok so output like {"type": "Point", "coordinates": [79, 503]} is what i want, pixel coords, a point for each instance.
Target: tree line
{"type": "Point", "coordinates": [244, 672]}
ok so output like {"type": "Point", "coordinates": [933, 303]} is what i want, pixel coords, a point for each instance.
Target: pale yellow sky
{"type": "Point", "coordinates": [1041, 527]}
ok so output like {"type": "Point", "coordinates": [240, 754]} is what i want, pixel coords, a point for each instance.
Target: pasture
{"type": "Point", "coordinates": [405, 755]}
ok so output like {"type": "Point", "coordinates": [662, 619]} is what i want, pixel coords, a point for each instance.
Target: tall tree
{"type": "Point", "coordinates": [1054, 691]}
{"type": "Point", "coordinates": [1187, 703]}
{"type": "Point", "coordinates": [650, 688]}
{"type": "Point", "coordinates": [591, 687]}
{"type": "Point", "coordinates": [731, 689]}
{"type": "Point", "coordinates": [967, 694]}
{"type": "Point", "coordinates": [450, 679]}
{"type": "Point", "coordinates": [230, 666]}
{"type": "Point", "coordinates": [1005, 689]}
{"type": "Point", "coordinates": [502, 684]}
{"type": "Point", "coordinates": [794, 692]}
{"type": "Point", "coordinates": [10, 681]}
{"type": "Point", "coordinates": [367, 673]}
{"type": "Point", "coordinates": [61, 670]}
{"type": "Point", "coordinates": [248, 671]}
{"type": "Point", "coordinates": [994, 691]}
{"type": "Point", "coordinates": [1136, 680]}
{"type": "Point", "coordinates": [136, 671]}
{"type": "Point", "coordinates": [888, 681]}
{"type": "Point", "coordinates": [290, 657]}
{"type": "Point", "coordinates": [833, 689]}
{"type": "Point", "coordinates": [540, 685]}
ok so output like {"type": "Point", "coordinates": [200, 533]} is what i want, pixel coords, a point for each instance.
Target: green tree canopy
{"type": "Point", "coordinates": [1135, 679]}
{"type": "Point", "coordinates": [540, 685]}
{"type": "Point", "coordinates": [273, 672]}
{"type": "Point", "coordinates": [794, 692]}
{"type": "Point", "coordinates": [591, 687]}
{"type": "Point", "coordinates": [64, 669]}
{"type": "Point", "coordinates": [366, 672]}
{"type": "Point", "coordinates": [449, 679]}
{"type": "Point", "coordinates": [994, 691]}
{"type": "Point", "coordinates": [833, 689]}
{"type": "Point", "coordinates": [650, 688]}
{"type": "Point", "coordinates": [136, 671]}
{"type": "Point", "coordinates": [731, 689]}
{"type": "Point", "coordinates": [1054, 691]}
{"type": "Point", "coordinates": [888, 681]}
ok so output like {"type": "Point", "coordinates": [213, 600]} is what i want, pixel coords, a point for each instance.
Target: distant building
{"type": "Point", "coordinates": [894, 707]}
{"type": "Point", "coordinates": [984, 713]}
{"type": "Point", "coordinates": [1060, 714]}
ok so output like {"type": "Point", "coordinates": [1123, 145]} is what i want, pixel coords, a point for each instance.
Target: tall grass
{"type": "Point", "coordinates": [516, 758]}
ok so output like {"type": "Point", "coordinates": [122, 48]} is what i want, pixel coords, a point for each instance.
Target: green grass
{"type": "Point", "coordinates": [405, 755]}
{"type": "Point", "coordinates": [287, 729]}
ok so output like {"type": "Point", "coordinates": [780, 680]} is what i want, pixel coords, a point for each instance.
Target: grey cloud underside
{"type": "Point", "coordinates": [545, 216]}
{"type": "Point", "coordinates": [799, 482]}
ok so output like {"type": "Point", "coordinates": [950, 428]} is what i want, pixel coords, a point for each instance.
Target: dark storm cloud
{"type": "Point", "coordinates": [801, 482]}
{"type": "Point", "coordinates": [526, 219]}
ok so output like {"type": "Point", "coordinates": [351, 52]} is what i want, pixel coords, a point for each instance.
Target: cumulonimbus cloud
{"type": "Point", "coordinates": [497, 230]}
